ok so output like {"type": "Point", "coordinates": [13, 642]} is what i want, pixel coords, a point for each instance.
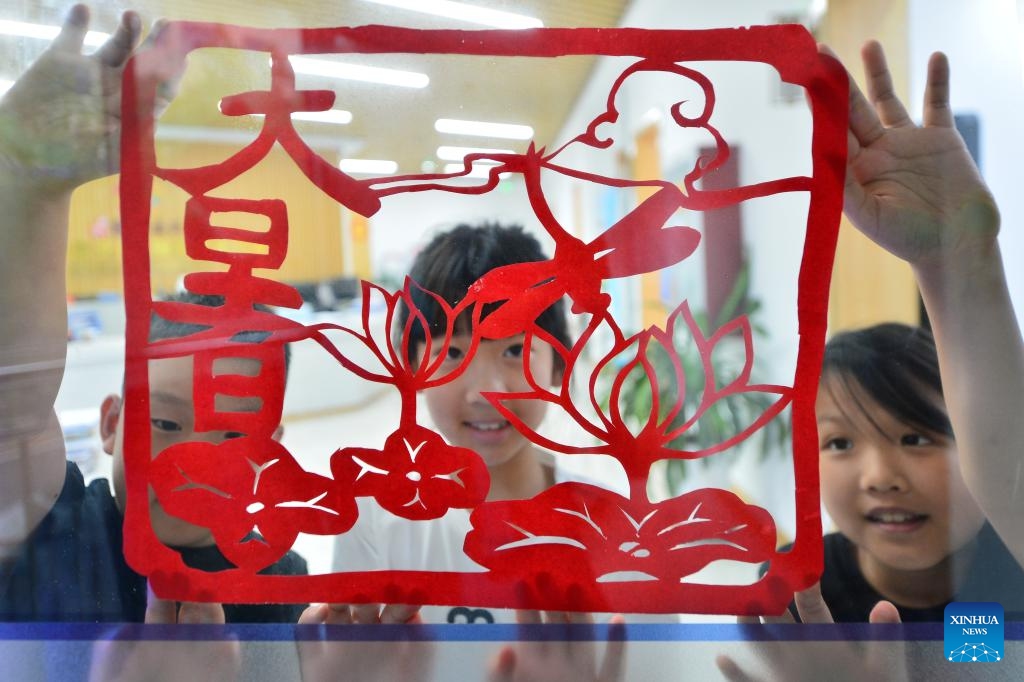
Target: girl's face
{"type": "Point", "coordinates": [894, 490]}
{"type": "Point", "coordinates": [466, 419]}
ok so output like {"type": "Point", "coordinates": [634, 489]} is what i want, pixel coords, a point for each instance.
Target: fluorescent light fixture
{"type": "Point", "coordinates": [650, 117]}
{"type": "Point", "coordinates": [368, 166]}
{"type": "Point", "coordinates": [337, 116]}
{"type": "Point", "coordinates": [478, 171]}
{"type": "Point", "coordinates": [459, 153]}
{"type": "Point", "coordinates": [5, 85]}
{"type": "Point", "coordinates": [356, 72]}
{"type": "Point", "coordinates": [473, 14]}
{"type": "Point", "coordinates": [510, 131]}
{"type": "Point", "coordinates": [45, 32]}
{"type": "Point", "coordinates": [816, 11]}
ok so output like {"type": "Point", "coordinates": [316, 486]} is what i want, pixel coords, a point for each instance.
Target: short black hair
{"type": "Point", "coordinates": [455, 259]}
{"type": "Point", "coordinates": [897, 366]}
{"type": "Point", "coordinates": [162, 328]}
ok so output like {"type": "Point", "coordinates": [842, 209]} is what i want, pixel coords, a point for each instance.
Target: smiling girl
{"type": "Point", "coordinates": [909, 530]}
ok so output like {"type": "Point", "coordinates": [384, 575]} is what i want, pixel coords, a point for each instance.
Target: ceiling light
{"type": "Point", "coordinates": [474, 14]}
{"type": "Point", "coordinates": [368, 166]}
{"type": "Point", "coordinates": [459, 153]}
{"type": "Point", "coordinates": [44, 32]}
{"type": "Point", "coordinates": [650, 117]}
{"type": "Point", "coordinates": [483, 129]}
{"type": "Point", "coordinates": [336, 116]}
{"type": "Point", "coordinates": [356, 72]}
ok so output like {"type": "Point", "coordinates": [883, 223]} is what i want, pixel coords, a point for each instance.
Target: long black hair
{"type": "Point", "coordinates": [897, 366]}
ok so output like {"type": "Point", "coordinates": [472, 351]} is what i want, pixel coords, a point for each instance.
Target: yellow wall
{"type": "Point", "coordinates": [94, 250]}
{"type": "Point", "coordinates": [647, 164]}
{"type": "Point", "coordinates": [360, 245]}
{"type": "Point", "coordinates": [869, 285]}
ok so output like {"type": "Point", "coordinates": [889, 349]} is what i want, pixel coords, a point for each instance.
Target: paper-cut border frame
{"type": "Point", "coordinates": [826, 85]}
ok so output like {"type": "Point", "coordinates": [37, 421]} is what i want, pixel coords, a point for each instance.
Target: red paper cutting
{"type": "Point", "coordinates": [574, 546]}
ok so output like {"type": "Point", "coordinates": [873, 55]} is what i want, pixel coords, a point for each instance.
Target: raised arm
{"type": "Point", "coordinates": [916, 192]}
{"type": "Point", "coordinates": [59, 126]}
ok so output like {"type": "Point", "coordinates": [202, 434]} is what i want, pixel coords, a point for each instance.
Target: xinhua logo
{"type": "Point", "coordinates": [973, 632]}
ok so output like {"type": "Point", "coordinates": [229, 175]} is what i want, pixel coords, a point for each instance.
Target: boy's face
{"type": "Point", "coordinates": [172, 421]}
{"type": "Point", "coordinates": [466, 419]}
{"type": "Point", "coordinates": [894, 490]}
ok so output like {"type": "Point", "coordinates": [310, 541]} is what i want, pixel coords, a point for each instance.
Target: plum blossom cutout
{"type": "Point", "coordinates": [416, 476]}
{"type": "Point", "coordinates": [582, 532]}
{"type": "Point", "coordinates": [254, 497]}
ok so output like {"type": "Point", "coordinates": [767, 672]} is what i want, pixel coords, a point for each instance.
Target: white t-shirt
{"type": "Point", "coordinates": [379, 540]}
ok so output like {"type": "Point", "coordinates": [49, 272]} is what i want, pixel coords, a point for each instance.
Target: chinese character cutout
{"type": "Point", "coordinates": [577, 545]}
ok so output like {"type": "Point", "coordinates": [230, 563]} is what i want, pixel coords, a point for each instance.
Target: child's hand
{"type": "Point", "coordinates": [60, 122]}
{"type": "Point", "coordinates": [326, 659]}
{"type": "Point", "coordinates": [163, 612]}
{"type": "Point", "coordinates": [129, 659]}
{"type": "Point", "coordinates": [536, 661]}
{"type": "Point", "coordinates": [804, 660]}
{"type": "Point", "coordinates": [360, 614]}
{"type": "Point", "coordinates": [913, 189]}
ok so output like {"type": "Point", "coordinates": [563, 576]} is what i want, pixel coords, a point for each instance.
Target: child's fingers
{"type": "Point", "coordinates": [366, 614]}
{"type": "Point", "coordinates": [399, 613]}
{"type": "Point", "coordinates": [159, 610]}
{"type": "Point", "coordinates": [890, 109]}
{"type": "Point", "coordinates": [857, 105]}
{"type": "Point", "coordinates": [577, 650]}
{"type": "Point", "coordinates": [864, 124]}
{"type": "Point", "coordinates": [529, 617]}
{"type": "Point", "coordinates": [614, 663]}
{"type": "Point", "coordinates": [579, 617]}
{"type": "Point", "coordinates": [339, 614]}
{"type": "Point", "coordinates": [72, 32]}
{"type": "Point", "coordinates": [201, 613]}
{"type": "Point", "coordinates": [503, 665]}
{"type": "Point", "coordinates": [730, 670]}
{"type": "Point", "coordinates": [169, 70]}
{"type": "Point", "coordinates": [889, 655]}
{"type": "Point", "coordinates": [884, 612]}
{"type": "Point", "coordinates": [116, 50]}
{"type": "Point", "coordinates": [154, 32]}
{"type": "Point", "coordinates": [936, 93]}
{"type": "Point", "coordinates": [785, 618]}
{"type": "Point", "coordinates": [314, 614]}
{"type": "Point", "coordinates": [811, 605]}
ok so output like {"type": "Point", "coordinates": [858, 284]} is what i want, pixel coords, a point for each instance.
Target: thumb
{"type": "Point", "coordinates": [889, 655]}
{"type": "Point", "coordinates": [884, 612]}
